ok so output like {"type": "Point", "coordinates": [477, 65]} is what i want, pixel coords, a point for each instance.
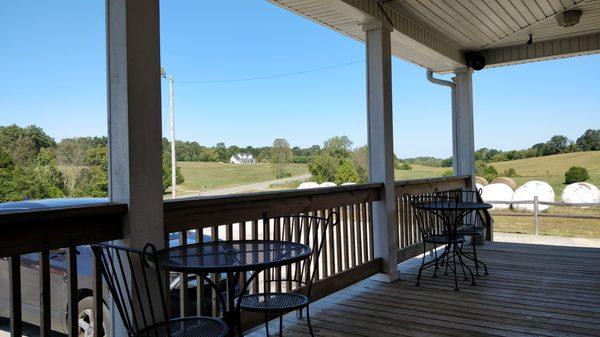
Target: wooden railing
{"type": "Point", "coordinates": [347, 256]}
{"type": "Point", "coordinates": [409, 241]}
{"type": "Point", "coordinates": [46, 230]}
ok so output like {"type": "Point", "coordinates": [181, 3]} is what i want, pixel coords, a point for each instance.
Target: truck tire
{"type": "Point", "coordinates": [86, 318]}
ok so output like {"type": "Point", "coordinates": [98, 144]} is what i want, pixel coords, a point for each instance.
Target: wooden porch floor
{"type": "Point", "coordinates": [532, 290]}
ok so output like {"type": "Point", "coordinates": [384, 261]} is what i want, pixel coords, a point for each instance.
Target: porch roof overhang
{"type": "Point", "coordinates": [437, 34]}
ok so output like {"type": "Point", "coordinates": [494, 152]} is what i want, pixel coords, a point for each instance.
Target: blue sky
{"type": "Point", "coordinates": [53, 59]}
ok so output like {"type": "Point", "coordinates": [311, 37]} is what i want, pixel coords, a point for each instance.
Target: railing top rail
{"type": "Point", "coordinates": [431, 180]}
{"type": "Point", "coordinates": [180, 214]}
{"type": "Point", "coordinates": [31, 231]}
{"type": "Point", "coordinates": [262, 196]}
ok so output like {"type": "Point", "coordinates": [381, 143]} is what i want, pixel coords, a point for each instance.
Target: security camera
{"type": "Point", "coordinates": [475, 61]}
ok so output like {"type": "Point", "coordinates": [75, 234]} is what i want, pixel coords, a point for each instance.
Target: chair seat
{"type": "Point", "coordinates": [468, 230]}
{"type": "Point", "coordinates": [187, 327]}
{"type": "Point", "coordinates": [441, 239]}
{"type": "Point", "coordinates": [274, 302]}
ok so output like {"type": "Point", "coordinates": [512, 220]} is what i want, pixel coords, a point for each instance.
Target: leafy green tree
{"type": "Point", "coordinates": [589, 141]}
{"type": "Point", "coordinates": [490, 173]}
{"type": "Point", "coordinates": [556, 144]}
{"type": "Point", "coordinates": [360, 159]}
{"type": "Point", "coordinates": [447, 162]}
{"type": "Point", "coordinates": [222, 152]}
{"type": "Point", "coordinates": [280, 156]}
{"type": "Point", "coordinates": [338, 147]}
{"type": "Point", "coordinates": [323, 168]}
{"type": "Point", "coordinates": [576, 174]}
{"type": "Point", "coordinates": [405, 167]}
{"type": "Point", "coordinates": [346, 173]}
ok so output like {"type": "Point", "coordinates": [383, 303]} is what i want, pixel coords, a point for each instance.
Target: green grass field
{"type": "Point", "coordinates": [551, 169]}
{"type": "Point", "coordinates": [201, 176]}
{"type": "Point", "coordinates": [420, 171]}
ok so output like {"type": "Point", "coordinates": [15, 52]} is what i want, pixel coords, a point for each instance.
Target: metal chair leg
{"type": "Point", "coordinates": [475, 255]}
{"type": "Point", "coordinates": [267, 324]}
{"type": "Point", "coordinates": [421, 268]}
{"type": "Point", "coordinates": [436, 260]}
{"type": "Point", "coordinates": [454, 262]}
{"type": "Point", "coordinates": [308, 321]}
{"type": "Point", "coordinates": [280, 325]}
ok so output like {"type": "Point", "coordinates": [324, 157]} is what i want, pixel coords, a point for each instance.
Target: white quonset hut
{"type": "Point", "coordinates": [529, 191]}
{"type": "Point", "coordinates": [581, 193]}
{"type": "Point", "coordinates": [328, 184]}
{"type": "Point", "coordinates": [497, 192]}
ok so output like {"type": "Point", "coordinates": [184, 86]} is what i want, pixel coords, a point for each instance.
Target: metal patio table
{"type": "Point", "coordinates": [232, 257]}
{"type": "Point", "coordinates": [452, 213]}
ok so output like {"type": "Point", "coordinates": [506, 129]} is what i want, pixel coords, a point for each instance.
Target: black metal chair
{"type": "Point", "coordinates": [433, 229]}
{"type": "Point", "coordinates": [136, 287]}
{"type": "Point", "coordinates": [473, 224]}
{"type": "Point", "coordinates": [310, 230]}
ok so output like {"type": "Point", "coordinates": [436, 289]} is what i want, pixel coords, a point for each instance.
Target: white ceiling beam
{"type": "Point", "coordinates": [543, 50]}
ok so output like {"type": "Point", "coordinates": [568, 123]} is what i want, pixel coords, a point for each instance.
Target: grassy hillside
{"type": "Point", "coordinates": [200, 176]}
{"type": "Point", "coordinates": [420, 171]}
{"type": "Point", "coordinates": [552, 168]}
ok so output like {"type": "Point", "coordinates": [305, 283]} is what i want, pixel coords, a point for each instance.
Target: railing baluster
{"type": "Point", "coordinates": [44, 286]}
{"type": "Point", "coordinates": [200, 295]}
{"type": "Point", "coordinates": [98, 299]}
{"type": "Point", "coordinates": [215, 278]}
{"type": "Point", "coordinates": [332, 252]}
{"type": "Point", "coordinates": [277, 236]}
{"type": "Point", "coordinates": [365, 233]}
{"type": "Point", "coordinates": [254, 233]}
{"type": "Point", "coordinates": [359, 219]}
{"type": "Point", "coordinates": [370, 218]}
{"type": "Point", "coordinates": [345, 224]}
{"type": "Point", "coordinates": [184, 305]}
{"type": "Point", "coordinates": [73, 306]}
{"type": "Point", "coordinates": [352, 236]}
{"type": "Point", "coordinates": [325, 256]}
{"type": "Point", "coordinates": [14, 275]}
{"type": "Point", "coordinates": [338, 241]}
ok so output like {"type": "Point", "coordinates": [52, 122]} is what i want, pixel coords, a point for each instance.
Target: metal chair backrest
{"type": "Point", "coordinates": [430, 222]}
{"type": "Point", "coordinates": [135, 285]}
{"type": "Point", "coordinates": [308, 229]}
{"type": "Point", "coordinates": [467, 195]}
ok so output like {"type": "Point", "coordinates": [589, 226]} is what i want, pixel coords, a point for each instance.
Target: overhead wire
{"type": "Point", "coordinates": [265, 77]}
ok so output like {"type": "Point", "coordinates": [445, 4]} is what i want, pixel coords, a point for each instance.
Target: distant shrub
{"type": "Point", "coordinates": [490, 173]}
{"type": "Point", "coordinates": [576, 174]}
{"type": "Point", "coordinates": [447, 173]}
{"type": "Point", "coordinates": [405, 166]}
{"type": "Point", "coordinates": [511, 172]}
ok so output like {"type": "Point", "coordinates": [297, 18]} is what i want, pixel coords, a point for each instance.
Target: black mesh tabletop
{"type": "Point", "coordinates": [453, 206]}
{"type": "Point", "coordinates": [231, 256]}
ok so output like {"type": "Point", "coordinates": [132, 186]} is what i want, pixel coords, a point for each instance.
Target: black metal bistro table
{"type": "Point", "coordinates": [452, 213]}
{"type": "Point", "coordinates": [233, 257]}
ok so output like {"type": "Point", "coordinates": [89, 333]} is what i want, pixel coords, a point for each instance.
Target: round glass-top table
{"type": "Point", "coordinates": [454, 206]}
{"type": "Point", "coordinates": [231, 257]}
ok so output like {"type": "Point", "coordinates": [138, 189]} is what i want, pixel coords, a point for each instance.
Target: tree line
{"type": "Point", "coordinates": [588, 141]}
{"type": "Point", "coordinates": [34, 166]}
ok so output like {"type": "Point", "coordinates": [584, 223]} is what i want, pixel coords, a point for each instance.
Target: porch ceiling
{"type": "Point", "coordinates": [435, 34]}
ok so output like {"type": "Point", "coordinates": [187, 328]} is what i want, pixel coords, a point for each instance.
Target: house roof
{"type": "Point", "coordinates": [436, 34]}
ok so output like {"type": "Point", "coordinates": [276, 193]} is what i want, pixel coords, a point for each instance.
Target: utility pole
{"type": "Point", "coordinates": [171, 80]}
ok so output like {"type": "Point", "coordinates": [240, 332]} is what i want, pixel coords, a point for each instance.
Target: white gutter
{"type": "Point", "coordinates": [450, 84]}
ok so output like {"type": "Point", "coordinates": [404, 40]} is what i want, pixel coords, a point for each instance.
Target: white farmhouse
{"type": "Point", "coordinates": [242, 158]}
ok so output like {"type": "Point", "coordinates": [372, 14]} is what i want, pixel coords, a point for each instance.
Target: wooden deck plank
{"type": "Point", "coordinates": [532, 290]}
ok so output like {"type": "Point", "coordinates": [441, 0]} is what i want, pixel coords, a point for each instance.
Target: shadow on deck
{"type": "Point", "coordinates": [537, 290]}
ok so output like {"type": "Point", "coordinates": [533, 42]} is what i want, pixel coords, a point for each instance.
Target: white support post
{"type": "Point", "coordinates": [134, 123]}
{"type": "Point", "coordinates": [463, 138]}
{"type": "Point", "coordinates": [134, 117]}
{"type": "Point", "coordinates": [381, 151]}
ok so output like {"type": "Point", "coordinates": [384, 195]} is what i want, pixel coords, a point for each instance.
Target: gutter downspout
{"type": "Point", "coordinates": [452, 86]}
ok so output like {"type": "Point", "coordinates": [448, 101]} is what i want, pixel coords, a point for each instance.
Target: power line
{"type": "Point", "coordinates": [266, 77]}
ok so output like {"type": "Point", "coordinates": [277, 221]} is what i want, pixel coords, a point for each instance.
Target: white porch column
{"type": "Point", "coordinates": [381, 152]}
{"type": "Point", "coordinates": [134, 117]}
{"type": "Point", "coordinates": [463, 139]}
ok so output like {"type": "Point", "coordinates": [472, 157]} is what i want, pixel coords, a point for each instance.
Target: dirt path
{"type": "Point", "coordinates": [260, 186]}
